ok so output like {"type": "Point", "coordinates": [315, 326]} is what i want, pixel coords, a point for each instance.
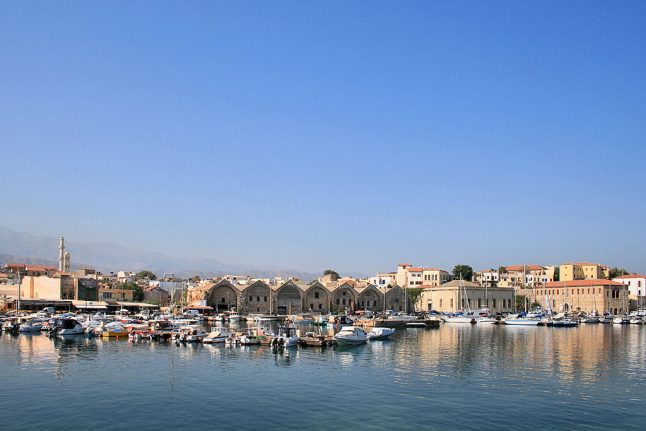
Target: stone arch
{"type": "Point", "coordinates": [344, 298]}
{"type": "Point", "coordinates": [370, 299]}
{"type": "Point", "coordinates": [316, 299]}
{"type": "Point", "coordinates": [256, 299]}
{"type": "Point", "coordinates": [289, 299]}
{"type": "Point", "coordinates": [223, 297]}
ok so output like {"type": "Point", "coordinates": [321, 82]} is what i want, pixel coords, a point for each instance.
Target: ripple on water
{"type": "Point", "coordinates": [455, 377]}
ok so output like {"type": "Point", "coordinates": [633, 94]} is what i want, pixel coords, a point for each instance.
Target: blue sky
{"type": "Point", "coordinates": [308, 135]}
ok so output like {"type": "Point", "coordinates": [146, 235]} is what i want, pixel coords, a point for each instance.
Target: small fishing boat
{"type": "Point", "coordinates": [190, 334]}
{"type": "Point", "coordinates": [217, 336]}
{"type": "Point", "coordinates": [114, 330]}
{"type": "Point", "coordinates": [606, 318]}
{"type": "Point", "coordinates": [249, 339]}
{"type": "Point", "coordinates": [381, 333]}
{"type": "Point", "coordinates": [621, 320]}
{"type": "Point", "coordinates": [312, 339]}
{"type": "Point", "coordinates": [351, 335]}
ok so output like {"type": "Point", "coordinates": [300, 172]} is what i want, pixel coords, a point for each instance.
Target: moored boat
{"type": "Point", "coordinates": [351, 335]}
{"type": "Point", "coordinates": [380, 333]}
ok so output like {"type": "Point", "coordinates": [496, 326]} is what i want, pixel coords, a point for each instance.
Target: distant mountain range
{"type": "Point", "coordinates": [106, 257]}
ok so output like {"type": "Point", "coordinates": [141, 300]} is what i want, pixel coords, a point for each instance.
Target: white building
{"type": "Point", "coordinates": [636, 288]}
{"type": "Point", "coordinates": [383, 279]}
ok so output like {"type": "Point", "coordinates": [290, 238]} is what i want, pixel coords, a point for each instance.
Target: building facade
{"type": "Point", "coordinates": [452, 297]}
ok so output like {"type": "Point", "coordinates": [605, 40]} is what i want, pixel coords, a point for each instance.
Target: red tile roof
{"type": "Point", "coordinates": [583, 283]}
{"type": "Point", "coordinates": [404, 264]}
{"type": "Point", "coordinates": [39, 268]}
{"type": "Point", "coordinates": [414, 269]}
{"type": "Point", "coordinates": [15, 265]}
{"type": "Point", "coordinates": [631, 276]}
{"type": "Point", "coordinates": [527, 267]}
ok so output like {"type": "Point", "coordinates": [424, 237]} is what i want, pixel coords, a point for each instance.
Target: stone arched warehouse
{"type": "Point", "coordinates": [294, 297]}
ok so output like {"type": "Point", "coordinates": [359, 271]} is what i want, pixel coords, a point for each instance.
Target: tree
{"type": "Point", "coordinates": [463, 270]}
{"type": "Point", "coordinates": [335, 275]}
{"type": "Point", "coordinates": [138, 296]}
{"type": "Point", "coordinates": [196, 279]}
{"type": "Point", "coordinates": [146, 274]}
{"type": "Point", "coordinates": [617, 272]}
{"type": "Point", "coordinates": [415, 295]}
{"type": "Point", "coordinates": [520, 303]}
{"type": "Point", "coordinates": [557, 273]}
{"type": "Point", "coordinates": [502, 270]}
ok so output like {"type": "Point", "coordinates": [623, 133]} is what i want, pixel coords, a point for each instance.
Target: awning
{"type": "Point", "coordinates": [90, 305]}
{"type": "Point", "coordinates": [137, 304]}
{"type": "Point", "coordinates": [199, 307]}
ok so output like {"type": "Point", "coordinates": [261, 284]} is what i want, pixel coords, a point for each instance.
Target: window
{"type": "Point", "coordinates": [494, 303]}
{"type": "Point", "coordinates": [250, 298]}
{"type": "Point", "coordinates": [374, 303]}
{"type": "Point", "coordinates": [320, 306]}
{"type": "Point", "coordinates": [343, 301]}
{"type": "Point", "coordinates": [258, 298]}
{"type": "Point", "coordinates": [440, 302]}
{"type": "Point", "coordinates": [316, 295]}
{"type": "Point", "coordinates": [223, 300]}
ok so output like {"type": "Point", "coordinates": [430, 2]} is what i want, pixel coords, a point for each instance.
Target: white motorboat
{"type": "Point", "coordinates": [190, 334]}
{"type": "Point", "coordinates": [378, 333]}
{"type": "Point", "coordinates": [606, 318]}
{"type": "Point", "coordinates": [286, 338]}
{"type": "Point", "coordinates": [516, 320]}
{"type": "Point", "coordinates": [636, 320]}
{"type": "Point", "coordinates": [460, 318]}
{"type": "Point", "coordinates": [350, 335]}
{"type": "Point", "coordinates": [69, 327]}
{"type": "Point", "coordinates": [31, 326]}
{"type": "Point", "coordinates": [216, 336]}
{"type": "Point", "coordinates": [621, 320]}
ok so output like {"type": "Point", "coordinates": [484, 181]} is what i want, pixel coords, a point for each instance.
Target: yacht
{"type": "Point", "coordinates": [606, 318]}
{"type": "Point", "coordinates": [350, 335]}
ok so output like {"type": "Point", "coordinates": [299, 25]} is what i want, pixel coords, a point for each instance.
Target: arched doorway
{"type": "Point", "coordinates": [289, 299]}
{"type": "Point", "coordinates": [223, 297]}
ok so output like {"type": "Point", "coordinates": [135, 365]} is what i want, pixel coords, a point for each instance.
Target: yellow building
{"type": "Point", "coordinates": [585, 295]}
{"type": "Point", "coordinates": [582, 271]}
{"type": "Point", "coordinates": [109, 294]}
{"type": "Point", "coordinates": [434, 276]}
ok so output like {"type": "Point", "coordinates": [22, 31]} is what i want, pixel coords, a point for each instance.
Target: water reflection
{"type": "Point", "coordinates": [430, 371]}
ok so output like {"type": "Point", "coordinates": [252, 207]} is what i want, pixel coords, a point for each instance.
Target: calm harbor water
{"type": "Point", "coordinates": [458, 376]}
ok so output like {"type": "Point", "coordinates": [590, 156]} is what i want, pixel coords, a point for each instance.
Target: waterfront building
{"type": "Point", "coordinates": [115, 294]}
{"type": "Point", "coordinates": [583, 271]}
{"type": "Point", "coordinates": [636, 289]}
{"type": "Point", "coordinates": [585, 295]}
{"type": "Point", "coordinates": [293, 296]}
{"type": "Point", "coordinates": [523, 276]}
{"type": "Point", "coordinates": [459, 295]}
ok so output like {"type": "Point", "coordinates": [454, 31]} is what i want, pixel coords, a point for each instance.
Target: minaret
{"type": "Point", "coordinates": [61, 255]}
{"type": "Point", "coordinates": [67, 262]}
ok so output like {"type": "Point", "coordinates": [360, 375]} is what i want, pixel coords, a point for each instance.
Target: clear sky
{"type": "Point", "coordinates": [351, 135]}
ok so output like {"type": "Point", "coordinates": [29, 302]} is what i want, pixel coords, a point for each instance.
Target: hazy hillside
{"type": "Point", "coordinates": [106, 257]}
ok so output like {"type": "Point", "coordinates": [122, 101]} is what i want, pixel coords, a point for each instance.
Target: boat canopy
{"type": "Point", "coordinates": [90, 305]}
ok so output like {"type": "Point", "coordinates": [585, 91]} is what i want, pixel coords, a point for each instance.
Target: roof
{"type": "Point", "coordinates": [585, 264]}
{"type": "Point", "coordinates": [90, 305]}
{"type": "Point", "coordinates": [411, 269]}
{"type": "Point", "coordinates": [526, 267]}
{"type": "Point", "coordinates": [15, 265]}
{"type": "Point", "coordinates": [199, 307]}
{"type": "Point", "coordinates": [404, 264]}
{"type": "Point", "coordinates": [39, 268]}
{"type": "Point", "coordinates": [136, 304]}
{"type": "Point", "coordinates": [3, 275]}
{"type": "Point", "coordinates": [583, 283]}
{"type": "Point", "coordinates": [630, 276]}
{"type": "Point", "coordinates": [456, 283]}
